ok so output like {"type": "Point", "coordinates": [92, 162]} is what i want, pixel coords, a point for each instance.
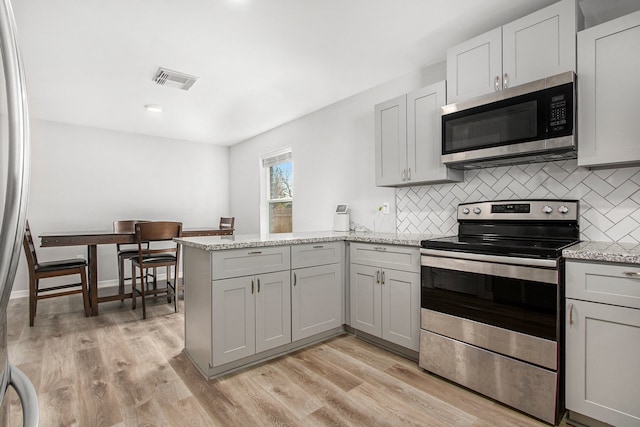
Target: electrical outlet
{"type": "Point", "coordinates": [385, 208]}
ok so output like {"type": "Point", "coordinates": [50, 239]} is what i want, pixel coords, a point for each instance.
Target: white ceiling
{"type": "Point", "coordinates": [260, 63]}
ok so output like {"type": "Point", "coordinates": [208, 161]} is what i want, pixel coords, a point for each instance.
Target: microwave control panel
{"type": "Point", "coordinates": [560, 110]}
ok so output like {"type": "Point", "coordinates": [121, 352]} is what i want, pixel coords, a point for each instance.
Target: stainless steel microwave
{"type": "Point", "coordinates": [529, 123]}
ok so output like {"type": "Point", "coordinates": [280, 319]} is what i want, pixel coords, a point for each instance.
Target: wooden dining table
{"type": "Point", "coordinates": [91, 239]}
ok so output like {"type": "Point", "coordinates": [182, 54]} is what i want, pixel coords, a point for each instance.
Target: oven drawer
{"type": "Point", "coordinates": [525, 347]}
{"type": "Point", "coordinates": [526, 387]}
{"type": "Point", "coordinates": [617, 284]}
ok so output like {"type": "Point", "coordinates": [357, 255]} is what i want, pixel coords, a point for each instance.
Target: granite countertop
{"type": "Point", "coordinates": [240, 241]}
{"type": "Point", "coordinates": [604, 252]}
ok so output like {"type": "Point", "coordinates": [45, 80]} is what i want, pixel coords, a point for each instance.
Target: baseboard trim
{"type": "Point", "coordinates": [24, 293]}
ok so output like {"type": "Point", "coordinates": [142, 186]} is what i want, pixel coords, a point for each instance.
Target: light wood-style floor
{"type": "Point", "coordinates": [119, 370]}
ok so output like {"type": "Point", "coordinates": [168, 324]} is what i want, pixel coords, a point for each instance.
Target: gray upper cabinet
{"type": "Point", "coordinates": [536, 46]}
{"type": "Point", "coordinates": [474, 67]}
{"type": "Point", "coordinates": [608, 88]}
{"type": "Point", "coordinates": [391, 141]}
{"type": "Point", "coordinates": [408, 139]}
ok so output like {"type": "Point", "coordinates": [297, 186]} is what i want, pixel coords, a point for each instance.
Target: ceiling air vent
{"type": "Point", "coordinates": [174, 79]}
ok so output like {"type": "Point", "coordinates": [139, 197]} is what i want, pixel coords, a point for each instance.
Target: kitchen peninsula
{"type": "Point", "coordinates": [249, 298]}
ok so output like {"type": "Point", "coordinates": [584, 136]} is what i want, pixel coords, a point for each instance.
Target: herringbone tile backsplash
{"type": "Point", "coordinates": [609, 198]}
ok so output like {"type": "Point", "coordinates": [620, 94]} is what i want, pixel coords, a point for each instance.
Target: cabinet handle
{"type": "Point", "coordinates": [380, 248]}
{"type": "Point", "coordinates": [258, 285]}
{"type": "Point", "coordinates": [409, 174]}
{"type": "Point", "coordinates": [318, 247]}
{"type": "Point", "coordinates": [571, 314]}
{"type": "Point", "coordinates": [383, 277]}
{"type": "Point", "coordinates": [505, 81]}
{"type": "Point", "coordinates": [252, 287]}
{"type": "Point", "coordinates": [632, 273]}
{"type": "Point", "coordinates": [496, 83]}
{"type": "Point", "coordinates": [295, 279]}
{"type": "Point", "coordinates": [255, 252]}
{"type": "Point", "coordinates": [404, 174]}
{"type": "Point", "coordinates": [378, 276]}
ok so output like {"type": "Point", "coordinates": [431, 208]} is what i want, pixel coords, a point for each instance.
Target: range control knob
{"type": "Point", "coordinates": [547, 209]}
{"type": "Point", "coordinates": [476, 211]}
{"type": "Point", "coordinates": [563, 209]}
{"type": "Point", "coordinates": [466, 211]}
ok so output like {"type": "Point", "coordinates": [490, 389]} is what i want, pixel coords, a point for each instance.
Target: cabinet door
{"type": "Point", "coordinates": [602, 369]}
{"type": "Point", "coordinates": [424, 136]}
{"type": "Point", "coordinates": [232, 320]}
{"type": "Point", "coordinates": [608, 66]}
{"type": "Point", "coordinates": [474, 67]}
{"type": "Point", "coordinates": [316, 300]}
{"type": "Point", "coordinates": [273, 310]}
{"type": "Point", "coordinates": [539, 45]}
{"type": "Point", "coordinates": [391, 141]}
{"type": "Point", "coordinates": [401, 308]}
{"type": "Point", "coordinates": [366, 304]}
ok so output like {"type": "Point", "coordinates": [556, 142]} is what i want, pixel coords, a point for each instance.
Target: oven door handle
{"type": "Point", "coordinates": [535, 274]}
{"type": "Point", "coordinates": [529, 262]}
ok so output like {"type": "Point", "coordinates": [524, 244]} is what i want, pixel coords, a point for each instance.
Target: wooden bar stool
{"type": "Point", "coordinates": [151, 257]}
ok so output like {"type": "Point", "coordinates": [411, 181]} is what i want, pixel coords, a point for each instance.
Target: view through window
{"type": "Point", "coordinates": [280, 193]}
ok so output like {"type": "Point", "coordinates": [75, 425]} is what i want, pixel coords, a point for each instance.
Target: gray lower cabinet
{"type": "Point", "coordinates": [602, 342]}
{"type": "Point", "coordinates": [243, 306]}
{"type": "Point", "coordinates": [385, 302]}
{"type": "Point", "coordinates": [316, 300]}
{"type": "Point", "coordinates": [317, 288]}
{"type": "Point", "coordinates": [249, 315]}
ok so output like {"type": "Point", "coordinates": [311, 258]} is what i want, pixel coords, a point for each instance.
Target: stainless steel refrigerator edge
{"type": "Point", "coordinates": [16, 164]}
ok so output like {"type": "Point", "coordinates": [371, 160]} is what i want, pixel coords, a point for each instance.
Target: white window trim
{"type": "Point", "coordinates": [266, 160]}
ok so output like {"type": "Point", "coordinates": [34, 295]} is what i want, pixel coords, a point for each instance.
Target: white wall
{"type": "Point", "coordinates": [84, 178]}
{"type": "Point", "coordinates": [333, 162]}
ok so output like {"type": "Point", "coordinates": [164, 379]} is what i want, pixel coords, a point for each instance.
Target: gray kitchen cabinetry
{"type": "Point", "coordinates": [237, 304]}
{"type": "Point", "coordinates": [385, 292]}
{"type": "Point", "coordinates": [602, 342]}
{"type": "Point", "coordinates": [317, 288]}
{"type": "Point", "coordinates": [408, 139]}
{"type": "Point", "coordinates": [608, 66]}
{"type": "Point", "coordinates": [533, 47]}
{"type": "Point", "coordinates": [249, 315]}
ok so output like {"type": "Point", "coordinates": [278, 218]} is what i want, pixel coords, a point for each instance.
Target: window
{"type": "Point", "coordinates": [279, 200]}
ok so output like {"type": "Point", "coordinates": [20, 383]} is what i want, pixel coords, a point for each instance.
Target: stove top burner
{"type": "Point", "coordinates": [524, 228]}
{"type": "Point", "coordinates": [500, 246]}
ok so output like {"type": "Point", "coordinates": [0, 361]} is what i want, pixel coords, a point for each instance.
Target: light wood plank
{"type": "Point", "coordinates": [119, 370]}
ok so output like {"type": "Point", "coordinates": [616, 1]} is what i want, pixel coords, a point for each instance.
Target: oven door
{"type": "Point", "coordinates": [494, 302]}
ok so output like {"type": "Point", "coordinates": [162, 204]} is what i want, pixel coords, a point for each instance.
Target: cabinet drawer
{"type": "Point", "coordinates": [246, 262]}
{"type": "Point", "coordinates": [617, 284]}
{"type": "Point", "coordinates": [386, 256]}
{"type": "Point", "coordinates": [312, 254]}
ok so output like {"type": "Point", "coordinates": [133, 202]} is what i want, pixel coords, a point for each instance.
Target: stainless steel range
{"type": "Point", "coordinates": [492, 302]}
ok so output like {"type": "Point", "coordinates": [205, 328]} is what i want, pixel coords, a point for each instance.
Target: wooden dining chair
{"type": "Point", "coordinates": [227, 223]}
{"type": "Point", "coordinates": [48, 269]}
{"type": "Point", "coordinates": [151, 257]}
{"type": "Point", "coordinates": [125, 251]}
